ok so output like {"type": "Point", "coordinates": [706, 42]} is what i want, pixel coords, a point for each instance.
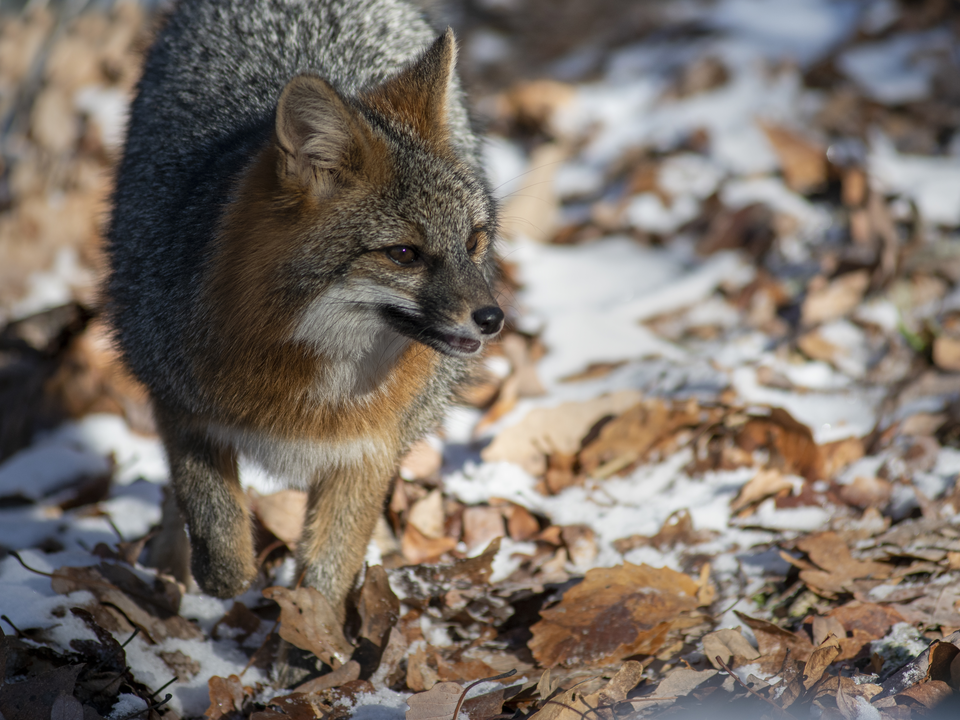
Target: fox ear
{"type": "Point", "coordinates": [420, 95]}
{"type": "Point", "coordinates": [322, 140]}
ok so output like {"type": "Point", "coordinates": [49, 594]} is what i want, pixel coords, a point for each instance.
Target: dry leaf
{"type": "Point", "coordinates": [628, 437]}
{"type": "Point", "coordinates": [790, 443]}
{"type": "Point", "coordinates": [820, 659]}
{"type": "Point", "coordinates": [281, 513]}
{"type": "Point", "coordinates": [481, 524]}
{"type": "Point", "coordinates": [730, 646]}
{"type": "Point", "coordinates": [379, 607]}
{"type": "Point", "coordinates": [308, 621]}
{"type": "Point", "coordinates": [838, 567]}
{"type": "Point", "coordinates": [766, 483]}
{"type": "Point", "coordinates": [226, 696]}
{"type": "Point", "coordinates": [559, 429]}
{"type": "Point", "coordinates": [426, 515]}
{"type": "Point", "coordinates": [835, 299]}
{"type": "Point", "coordinates": [521, 524]}
{"type": "Point", "coordinates": [418, 548]}
{"type": "Point", "coordinates": [614, 613]}
{"type": "Point", "coordinates": [946, 353]}
{"type": "Point", "coordinates": [422, 461]}
{"type": "Point", "coordinates": [803, 161]}
{"type": "Point", "coordinates": [152, 609]}
{"type": "Point", "coordinates": [348, 672]}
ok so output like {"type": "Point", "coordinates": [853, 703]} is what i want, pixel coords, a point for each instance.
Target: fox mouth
{"type": "Point", "coordinates": [459, 344]}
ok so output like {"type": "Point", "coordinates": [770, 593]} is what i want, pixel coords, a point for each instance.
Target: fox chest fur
{"type": "Point", "coordinates": [301, 257]}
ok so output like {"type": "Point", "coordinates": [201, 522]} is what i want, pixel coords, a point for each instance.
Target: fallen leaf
{"type": "Point", "coordinates": [348, 672]}
{"type": "Point", "coordinates": [802, 160]}
{"type": "Point", "coordinates": [281, 513]}
{"type": "Point", "coordinates": [226, 696]}
{"type": "Point", "coordinates": [481, 524]}
{"type": "Point", "coordinates": [929, 694]}
{"type": "Point", "coordinates": [835, 299]}
{"type": "Point", "coordinates": [774, 642]}
{"type": "Point", "coordinates": [790, 443]}
{"type": "Point", "coordinates": [946, 353]}
{"type": "Point", "coordinates": [152, 609]}
{"type": "Point", "coordinates": [547, 430]}
{"type": "Point", "coordinates": [35, 696]}
{"type": "Point", "coordinates": [423, 460]}
{"type": "Point", "coordinates": [766, 483]}
{"type": "Point", "coordinates": [308, 621]}
{"type": "Point", "coordinates": [838, 567]}
{"type": "Point", "coordinates": [819, 660]}
{"type": "Point", "coordinates": [426, 515]}
{"type": "Point", "coordinates": [614, 613]}
{"type": "Point", "coordinates": [628, 437]}
{"type": "Point", "coordinates": [729, 645]}
{"type": "Point", "coordinates": [379, 607]}
{"type": "Point", "coordinates": [417, 548]}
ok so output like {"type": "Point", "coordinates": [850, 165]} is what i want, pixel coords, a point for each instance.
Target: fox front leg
{"type": "Point", "coordinates": [342, 512]}
{"type": "Point", "coordinates": [208, 492]}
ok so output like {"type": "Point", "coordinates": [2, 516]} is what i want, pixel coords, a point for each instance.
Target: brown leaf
{"type": "Point", "coordinates": [226, 696]}
{"type": "Point", "coordinates": [422, 461]}
{"type": "Point", "coordinates": [790, 443]}
{"type": "Point", "coordinates": [946, 353]}
{"type": "Point", "coordinates": [308, 621]}
{"type": "Point", "coordinates": [677, 529]}
{"type": "Point", "coordinates": [730, 646]}
{"type": "Point", "coordinates": [774, 642]}
{"type": "Point", "coordinates": [829, 552]}
{"type": "Point", "coordinates": [426, 515]}
{"type": "Point", "coordinates": [521, 524]}
{"type": "Point", "coordinates": [348, 672]}
{"type": "Point", "coordinates": [803, 161]}
{"type": "Point", "coordinates": [929, 694]}
{"type": "Point", "coordinates": [614, 613]}
{"type": "Point", "coordinates": [66, 707]}
{"type": "Point", "coordinates": [865, 492]}
{"type": "Point", "coordinates": [281, 513]}
{"type": "Point", "coordinates": [485, 706]}
{"type": "Point", "coordinates": [481, 524]}
{"type": "Point", "coordinates": [835, 299]}
{"type": "Point", "coordinates": [628, 437]}
{"type": "Point", "coordinates": [379, 607]}
{"type": "Point", "coordinates": [240, 620]}
{"type": "Point", "coordinates": [437, 703]}
{"type": "Point", "coordinates": [417, 548]}
{"type": "Point", "coordinates": [547, 430]}
{"type": "Point", "coordinates": [820, 659]}
{"type": "Point", "coordinates": [766, 483]}
{"type": "Point", "coordinates": [152, 609]}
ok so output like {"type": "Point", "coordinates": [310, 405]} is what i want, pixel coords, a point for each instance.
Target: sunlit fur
{"type": "Point", "coordinates": [276, 152]}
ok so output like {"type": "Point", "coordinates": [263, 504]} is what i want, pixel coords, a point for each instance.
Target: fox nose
{"type": "Point", "coordinates": [489, 319]}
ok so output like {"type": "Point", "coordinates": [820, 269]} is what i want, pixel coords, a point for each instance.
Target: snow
{"type": "Point", "coordinates": [594, 302]}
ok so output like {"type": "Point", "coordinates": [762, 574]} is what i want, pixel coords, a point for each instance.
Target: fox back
{"type": "Point", "coordinates": [301, 250]}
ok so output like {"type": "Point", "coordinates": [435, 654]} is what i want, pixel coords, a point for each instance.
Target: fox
{"type": "Point", "coordinates": [301, 265]}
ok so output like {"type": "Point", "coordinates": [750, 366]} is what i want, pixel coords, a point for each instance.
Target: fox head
{"type": "Point", "coordinates": [365, 223]}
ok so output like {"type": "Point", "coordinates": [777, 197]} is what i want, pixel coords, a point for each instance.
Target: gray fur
{"type": "Point", "coordinates": [205, 104]}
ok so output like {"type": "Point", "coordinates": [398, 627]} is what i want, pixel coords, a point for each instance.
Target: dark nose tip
{"type": "Point", "coordinates": [489, 319]}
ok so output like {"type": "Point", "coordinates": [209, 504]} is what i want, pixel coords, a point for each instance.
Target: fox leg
{"type": "Point", "coordinates": [342, 512]}
{"type": "Point", "coordinates": [207, 487]}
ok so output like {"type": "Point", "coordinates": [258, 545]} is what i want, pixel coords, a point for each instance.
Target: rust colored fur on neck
{"type": "Point", "coordinates": [257, 377]}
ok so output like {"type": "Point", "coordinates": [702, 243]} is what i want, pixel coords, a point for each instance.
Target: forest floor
{"type": "Point", "coordinates": [711, 467]}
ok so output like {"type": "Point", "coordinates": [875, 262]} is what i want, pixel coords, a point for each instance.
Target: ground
{"type": "Point", "coordinates": [711, 466]}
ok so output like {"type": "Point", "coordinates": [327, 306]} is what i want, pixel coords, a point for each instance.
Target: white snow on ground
{"type": "Point", "coordinates": [591, 303]}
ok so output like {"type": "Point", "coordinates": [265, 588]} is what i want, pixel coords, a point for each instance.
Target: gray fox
{"type": "Point", "coordinates": [301, 251]}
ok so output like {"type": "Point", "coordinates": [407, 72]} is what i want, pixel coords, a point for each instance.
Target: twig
{"type": "Point", "coordinates": [27, 567]}
{"type": "Point", "coordinates": [501, 676]}
{"type": "Point", "coordinates": [749, 689]}
{"type": "Point", "coordinates": [136, 631]}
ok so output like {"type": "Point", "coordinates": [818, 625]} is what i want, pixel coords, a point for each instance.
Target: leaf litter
{"type": "Point", "coordinates": [731, 485]}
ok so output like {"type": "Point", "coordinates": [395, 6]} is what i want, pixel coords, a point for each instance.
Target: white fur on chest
{"type": "Point", "coordinates": [357, 348]}
{"type": "Point", "coordinates": [299, 463]}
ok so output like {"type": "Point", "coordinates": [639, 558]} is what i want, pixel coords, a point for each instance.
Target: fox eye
{"type": "Point", "coordinates": [402, 254]}
{"type": "Point", "coordinates": [473, 241]}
